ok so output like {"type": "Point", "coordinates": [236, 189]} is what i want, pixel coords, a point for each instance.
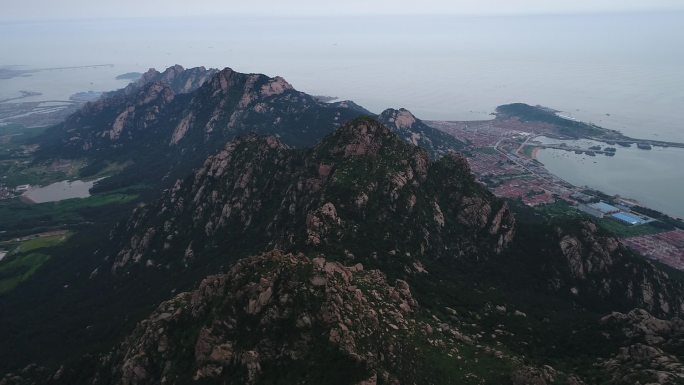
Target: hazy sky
{"type": "Point", "coordinates": [17, 10]}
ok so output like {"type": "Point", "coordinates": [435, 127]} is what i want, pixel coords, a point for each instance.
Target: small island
{"type": "Point", "coordinates": [132, 76]}
{"type": "Point", "coordinates": [85, 96]}
{"type": "Point", "coordinates": [325, 99]}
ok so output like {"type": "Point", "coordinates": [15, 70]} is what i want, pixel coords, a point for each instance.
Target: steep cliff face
{"type": "Point", "coordinates": [596, 265]}
{"type": "Point", "coordinates": [361, 193]}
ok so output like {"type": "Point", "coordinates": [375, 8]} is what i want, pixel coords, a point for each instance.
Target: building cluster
{"type": "Point", "coordinates": [664, 247]}
{"type": "Point", "coordinates": [494, 161]}
{"type": "Point", "coordinates": [7, 192]}
{"type": "Point", "coordinates": [496, 154]}
{"type": "Point", "coordinates": [620, 213]}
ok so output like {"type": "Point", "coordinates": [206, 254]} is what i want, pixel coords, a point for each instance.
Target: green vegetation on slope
{"type": "Point", "coordinates": [23, 261]}
{"type": "Point", "coordinates": [16, 172]}
{"type": "Point", "coordinates": [13, 136]}
{"type": "Point", "coordinates": [18, 218]}
{"type": "Point", "coordinates": [19, 269]}
{"type": "Point", "coordinates": [39, 243]}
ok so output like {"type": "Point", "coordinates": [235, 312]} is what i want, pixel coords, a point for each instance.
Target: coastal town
{"type": "Point", "coordinates": [502, 155]}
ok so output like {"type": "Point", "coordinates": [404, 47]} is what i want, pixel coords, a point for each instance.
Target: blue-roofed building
{"type": "Point", "coordinates": [627, 218]}
{"type": "Point", "coordinates": [604, 207]}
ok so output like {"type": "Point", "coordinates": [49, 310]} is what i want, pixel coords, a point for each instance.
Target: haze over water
{"type": "Point", "coordinates": [620, 71]}
{"type": "Point", "coordinates": [448, 68]}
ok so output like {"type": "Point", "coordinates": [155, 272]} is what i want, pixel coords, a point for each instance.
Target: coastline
{"type": "Point", "coordinates": [515, 136]}
{"type": "Point", "coordinates": [25, 199]}
{"type": "Point", "coordinates": [534, 154]}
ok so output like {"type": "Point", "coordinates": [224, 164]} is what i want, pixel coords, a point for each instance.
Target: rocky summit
{"type": "Point", "coordinates": [289, 241]}
{"type": "Point", "coordinates": [413, 130]}
{"type": "Point", "coordinates": [171, 121]}
{"type": "Point", "coordinates": [362, 193]}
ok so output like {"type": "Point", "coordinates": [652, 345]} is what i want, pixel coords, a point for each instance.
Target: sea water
{"type": "Point", "coordinates": [620, 71]}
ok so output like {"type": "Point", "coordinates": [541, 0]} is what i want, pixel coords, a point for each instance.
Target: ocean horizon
{"type": "Point", "coordinates": [618, 71]}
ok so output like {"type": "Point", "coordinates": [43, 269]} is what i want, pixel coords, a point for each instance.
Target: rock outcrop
{"type": "Point", "coordinates": [279, 314]}
{"type": "Point", "coordinates": [371, 257]}
{"type": "Point", "coordinates": [652, 351]}
{"type": "Point", "coordinates": [362, 190]}
{"type": "Point", "coordinates": [597, 265]}
{"type": "Point", "coordinates": [413, 130]}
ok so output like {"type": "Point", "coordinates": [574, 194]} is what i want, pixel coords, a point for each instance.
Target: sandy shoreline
{"type": "Point", "coordinates": [24, 199]}
{"type": "Point", "coordinates": [535, 152]}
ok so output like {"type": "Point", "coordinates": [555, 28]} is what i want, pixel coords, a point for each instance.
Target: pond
{"type": "Point", "coordinates": [59, 191]}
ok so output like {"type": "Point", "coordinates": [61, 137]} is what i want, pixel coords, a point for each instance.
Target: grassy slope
{"type": "Point", "coordinates": [18, 218]}
{"type": "Point", "coordinates": [24, 260]}
{"type": "Point", "coordinates": [563, 209]}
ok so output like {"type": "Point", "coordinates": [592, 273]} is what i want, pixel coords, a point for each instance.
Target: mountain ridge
{"type": "Point", "coordinates": [362, 257]}
{"type": "Point", "coordinates": [200, 110]}
{"type": "Point", "coordinates": [311, 186]}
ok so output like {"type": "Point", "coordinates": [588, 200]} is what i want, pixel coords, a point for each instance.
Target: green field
{"type": "Point", "coordinates": [625, 231]}
{"type": "Point", "coordinates": [39, 243]}
{"type": "Point", "coordinates": [19, 269]}
{"type": "Point", "coordinates": [18, 218]}
{"type": "Point", "coordinates": [528, 151]}
{"type": "Point", "coordinates": [13, 136]}
{"type": "Point", "coordinates": [562, 209]}
{"type": "Point", "coordinates": [487, 150]}
{"type": "Point", "coordinates": [24, 260]}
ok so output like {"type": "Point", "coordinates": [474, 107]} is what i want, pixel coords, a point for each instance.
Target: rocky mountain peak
{"type": "Point", "coordinates": [414, 130]}
{"type": "Point", "coordinates": [179, 79]}
{"type": "Point", "coordinates": [363, 136]}
{"type": "Point", "coordinates": [278, 311]}
{"type": "Point", "coordinates": [148, 76]}
{"type": "Point", "coordinates": [208, 108]}
{"type": "Point", "coordinates": [287, 240]}
{"type": "Point", "coordinates": [169, 73]}
{"type": "Point", "coordinates": [252, 85]}
{"type": "Point", "coordinates": [173, 71]}
{"type": "Point", "coordinates": [223, 79]}
{"type": "Point", "coordinates": [401, 118]}
{"type": "Point", "coordinates": [321, 199]}
{"type": "Point", "coordinates": [275, 86]}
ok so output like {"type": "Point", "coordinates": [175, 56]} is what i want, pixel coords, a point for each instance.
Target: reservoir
{"type": "Point", "coordinates": [59, 191]}
{"type": "Point", "coordinates": [653, 177]}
